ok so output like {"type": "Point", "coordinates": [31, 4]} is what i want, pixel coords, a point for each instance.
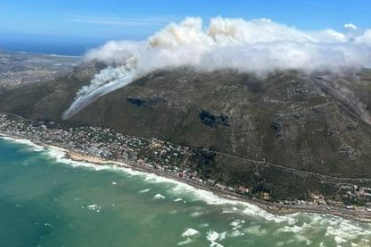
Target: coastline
{"type": "Point", "coordinates": [273, 208]}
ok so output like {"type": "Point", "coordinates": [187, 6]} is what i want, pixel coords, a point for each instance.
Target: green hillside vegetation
{"type": "Point", "coordinates": [270, 133]}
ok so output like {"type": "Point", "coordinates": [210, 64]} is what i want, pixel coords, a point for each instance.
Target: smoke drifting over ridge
{"type": "Point", "coordinates": [258, 46]}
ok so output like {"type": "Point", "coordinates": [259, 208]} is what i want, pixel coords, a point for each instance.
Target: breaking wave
{"type": "Point", "coordinates": [28, 143]}
{"type": "Point", "coordinates": [246, 219]}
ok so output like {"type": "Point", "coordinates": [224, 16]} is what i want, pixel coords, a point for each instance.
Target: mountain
{"type": "Point", "coordinates": [289, 132]}
{"type": "Point", "coordinates": [48, 99]}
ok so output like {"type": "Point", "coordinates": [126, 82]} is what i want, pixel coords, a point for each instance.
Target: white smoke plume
{"type": "Point", "coordinates": [257, 46]}
{"type": "Point", "coordinates": [106, 81]}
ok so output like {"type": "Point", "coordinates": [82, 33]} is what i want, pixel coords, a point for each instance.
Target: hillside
{"type": "Point", "coordinates": [292, 119]}
{"type": "Point", "coordinates": [47, 99]}
{"type": "Point", "coordinates": [281, 133]}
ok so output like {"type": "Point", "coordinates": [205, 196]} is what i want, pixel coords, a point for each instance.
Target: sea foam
{"type": "Point", "coordinates": [190, 232]}
{"type": "Point", "coordinates": [214, 236]}
{"type": "Point", "coordinates": [341, 230]}
{"type": "Point", "coordinates": [25, 142]}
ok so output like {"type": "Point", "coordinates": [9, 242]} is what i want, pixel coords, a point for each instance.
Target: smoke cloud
{"type": "Point", "coordinates": [257, 46]}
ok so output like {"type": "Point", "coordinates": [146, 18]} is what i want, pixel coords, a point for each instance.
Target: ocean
{"type": "Point", "coordinates": [49, 48]}
{"type": "Point", "coordinates": [48, 201]}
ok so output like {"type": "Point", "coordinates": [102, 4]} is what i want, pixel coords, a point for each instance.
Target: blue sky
{"type": "Point", "coordinates": [89, 22]}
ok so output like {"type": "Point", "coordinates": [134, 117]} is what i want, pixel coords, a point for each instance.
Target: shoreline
{"type": "Point", "coordinates": [273, 208]}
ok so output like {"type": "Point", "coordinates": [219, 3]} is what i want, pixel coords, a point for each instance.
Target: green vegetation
{"type": "Point", "coordinates": [269, 133]}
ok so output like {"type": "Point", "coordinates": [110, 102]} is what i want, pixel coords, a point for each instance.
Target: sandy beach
{"type": "Point", "coordinates": [271, 207]}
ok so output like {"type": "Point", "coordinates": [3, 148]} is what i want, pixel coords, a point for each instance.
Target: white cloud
{"type": "Point", "coordinates": [329, 36]}
{"type": "Point", "coordinates": [365, 38]}
{"type": "Point", "coordinates": [257, 46]}
{"type": "Point", "coordinates": [350, 26]}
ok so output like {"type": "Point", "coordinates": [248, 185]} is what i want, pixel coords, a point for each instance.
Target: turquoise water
{"type": "Point", "coordinates": [48, 201]}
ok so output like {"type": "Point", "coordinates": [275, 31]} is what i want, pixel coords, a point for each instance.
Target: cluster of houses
{"type": "Point", "coordinates": [100, 142]}
{"type": "Point", "coordinates": [148, 154]}
{"type": "Point", "coordinates": [103, 143]}
{"type": "Point", "coordinates": [355, 194]}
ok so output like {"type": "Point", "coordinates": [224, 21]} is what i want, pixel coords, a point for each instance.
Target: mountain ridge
{"type": "Point", "coordinates": [300, 123]}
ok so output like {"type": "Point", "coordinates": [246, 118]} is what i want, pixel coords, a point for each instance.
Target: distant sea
{"type": "Point", "coordinates": [48, 201]}
{"type": "Point", "coordinates": [58, 48]}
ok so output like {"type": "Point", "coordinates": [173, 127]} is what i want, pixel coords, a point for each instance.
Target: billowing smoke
{"type": "Point", "coordinates": [257, 46]}
{"type": "Point", "coordinates": [106, 81]}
